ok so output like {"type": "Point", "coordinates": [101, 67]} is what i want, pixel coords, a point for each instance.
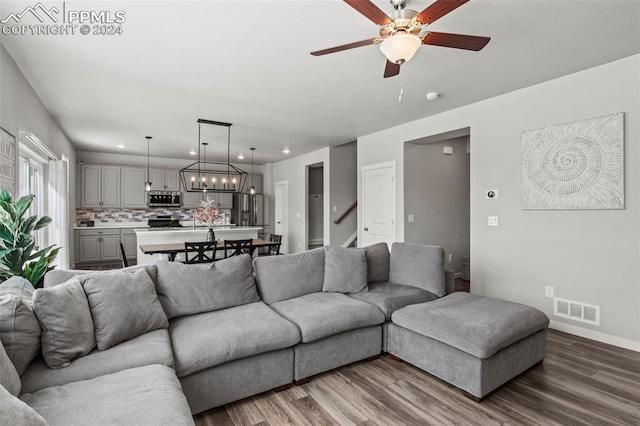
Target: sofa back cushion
{"type": "Point", "coordinates": [191, 289]}
{"type": "Point", "coordinates": [292, 275]}
{"type": "Point", "coordinates": [19, 327]}
{"type": "Point", "coordinates": [377, 262]}
{"type": "Point", "coordinates": [65, 319]}
{"type": "Point", "coordinates": [15, 412]}
{"type": "Point", "coordinates": [59, 276]}
{"type": "Point", "coordinates": [9, 378]}
{"type": "Point", "coordinates": [123, 305]}
{"type": "Point", "coordinates": [419, 266]}
{"type": "Point", "coordinates": [345, 270]}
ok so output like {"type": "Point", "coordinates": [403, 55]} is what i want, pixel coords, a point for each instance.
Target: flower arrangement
{"type": "Point", "coordinates": [207, 214]}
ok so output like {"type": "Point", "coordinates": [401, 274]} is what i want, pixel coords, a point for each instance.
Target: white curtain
{"type": "Point", "coordinates": [59, 209]}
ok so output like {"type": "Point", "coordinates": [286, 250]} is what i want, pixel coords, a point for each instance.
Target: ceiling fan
{"type": "Point", "coordinates": [402, 33]}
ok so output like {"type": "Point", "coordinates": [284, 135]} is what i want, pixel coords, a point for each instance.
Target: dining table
{"type": "Point", "coordinates": [172, 249]}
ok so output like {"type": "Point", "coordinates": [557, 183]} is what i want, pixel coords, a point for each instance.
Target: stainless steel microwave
{"type": "Point", "coordinates": [164, 199]}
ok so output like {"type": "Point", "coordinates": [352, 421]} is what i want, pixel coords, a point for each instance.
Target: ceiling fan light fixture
{"type": "Point", "coordinates": [400, 47]}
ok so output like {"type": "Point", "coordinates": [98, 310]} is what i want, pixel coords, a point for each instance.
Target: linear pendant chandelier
{"type": "Point", "coordinates": [212, 176]}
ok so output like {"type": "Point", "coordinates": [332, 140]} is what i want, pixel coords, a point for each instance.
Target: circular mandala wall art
{"type": "Point", "coordinates": [578, 165]}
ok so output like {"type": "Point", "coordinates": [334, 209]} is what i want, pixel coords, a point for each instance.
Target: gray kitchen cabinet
{"type": "Point", "coordinates": [257, 182]}
{"type": "Point", "coordinates": [191, 199]}
{"type": "Point", "coordinates": [132, 188]}
{"type": "Point", "coordinates": [97, 245]}
{"type": "Point", "coordinates": [165, 179]}
{"type": "Point", "coordinates": [100, 186]}
{"type": "Point", "coordinates": [224, 200]}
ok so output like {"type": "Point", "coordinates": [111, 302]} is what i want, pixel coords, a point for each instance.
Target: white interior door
{"type": "Point", "coordinates": [379, 203]}
{"type": "Point", "coordinates": [282, 214]}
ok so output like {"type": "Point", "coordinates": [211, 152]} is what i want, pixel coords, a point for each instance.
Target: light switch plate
{"type": "Point", "coordinates": [492, 221]}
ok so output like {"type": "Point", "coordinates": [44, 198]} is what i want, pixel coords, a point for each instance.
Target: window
{"type": "Point", "coordinates": [31, 181]}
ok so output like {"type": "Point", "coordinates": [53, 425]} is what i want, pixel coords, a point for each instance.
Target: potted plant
{"type": "Point", "coordinates": [208, 215]}
{"type": "Point", "coordinates": [19, 255]}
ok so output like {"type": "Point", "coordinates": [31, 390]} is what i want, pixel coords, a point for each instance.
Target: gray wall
{"type": "Point", "coordinates": [589, 256]}
{"type": "Point", "coordinates": [21, 110]}
{"type": "Point", "coordinates": [344, 176]}
{"type": "Point", "coordinates": [436, 193]}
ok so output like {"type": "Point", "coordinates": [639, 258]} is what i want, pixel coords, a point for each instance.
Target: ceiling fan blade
{"type": "Point", "coordinates": [457, 41]}
{"type": "Point", "coordinates": [370, 11]}
{"type": "Point", "coordinates": [391, 69]}
{"type": "Point", "coordinates": [438, 9]}
{"type": "Point", "coordinates": [346, 47]}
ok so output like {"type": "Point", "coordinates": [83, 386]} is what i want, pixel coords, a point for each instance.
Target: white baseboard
{"type": "Point", "coordinates": [596, 335]}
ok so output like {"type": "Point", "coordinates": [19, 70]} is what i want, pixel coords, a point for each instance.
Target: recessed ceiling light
{"type": "Point", "coordinates": [432, 96]}
{"type": "Point", "coordinates": [120, 146]}
{"type": "Point", "coordinates": [192, 152]}
{"type": "Point", "coordinates": [286, 150]}
{"type": "Point", "coordinates": [240, 157]}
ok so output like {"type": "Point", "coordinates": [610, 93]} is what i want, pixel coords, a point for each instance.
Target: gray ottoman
{"type": "Point", "coordinates": [475, 343]}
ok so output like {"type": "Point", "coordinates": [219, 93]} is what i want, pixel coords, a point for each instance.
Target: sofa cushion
{"type": "Point", "coordinates": [477, 325]}
{"type": "Point", "coordinates": [377, 262]}
{"type": "Point", "coordinates": [320, 315]}
{"type": "Point", "coordinates": [123, 305]}
{"type": "Point", "coordinates": [390, 297]}
{"type": "Point", "coordinates": [65, 319]}
{"type": "Point", "coordinates": [150, 348]}
{"type": "Point", "coordinates": [19, 327]}
{"type": "Point", "coordinates": [419, 266]}
{"type": "Point", "coordinates": [9, 378]}
{"type": "Point", "coordinates": [149, 395]}
{"type": "Point", "coordinates": [16, 413]}
{"type": "Point", "coordinates": [212, 338]}
{"type": "Point", "coordinates": [192, 289]}
{"type": "Point", "coordinates": [345, 270]}
{"type": "Point", "coordinates": [59, 276]}
{"type": "Point", "coordinates": [289, 276]}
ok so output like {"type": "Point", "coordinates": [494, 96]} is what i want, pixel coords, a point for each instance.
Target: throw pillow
{"type": "Point", "coordinates": [419, 266]}
{"type": "Point", "coordinates": [65, 319]}
{"type": "Point", "coordinates": [8, 375]}
{"type": "Point", "coordinates": [345, 270]}
{"type": "Point", "coordinates": [192, 289]}
{"type": "Point", "coordinates": [123, 305]}
{"type": "Point", "coordinates": [19, 327]}
{"type": "Point", "coordinates": [16, 412]}
{"type": "Point", "coordinates": [377, 262]}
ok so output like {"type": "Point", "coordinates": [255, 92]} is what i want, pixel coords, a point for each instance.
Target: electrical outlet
{"type": "Point", "coordinates": [548, 291]}
{"type": "Point", "coordinates": [412, 218]}
{"type": "Point", "coordinates": [492, 221]}
{"type": "Point", "coordinates": [451, 258]}
{"type": "Point", "coordinates": [299, 244]}
{"type": "Point", "coordinates": [335, 209]}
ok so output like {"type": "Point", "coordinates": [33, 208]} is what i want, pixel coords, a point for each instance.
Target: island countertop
{"type": "Point", "coordinates": [189, 230]}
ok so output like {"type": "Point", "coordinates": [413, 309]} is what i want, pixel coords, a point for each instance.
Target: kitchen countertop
{"type": "Point", "coordinates": [143, 225]}
{"type": "Point", "coordinates": [188, 229]}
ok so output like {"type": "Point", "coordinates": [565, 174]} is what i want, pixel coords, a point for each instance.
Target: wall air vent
{"type": "Point", "coordinates": [578, 311]}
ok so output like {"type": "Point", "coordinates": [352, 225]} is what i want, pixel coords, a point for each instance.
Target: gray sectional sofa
{"type": "Point", "coordinates": [155, 344]}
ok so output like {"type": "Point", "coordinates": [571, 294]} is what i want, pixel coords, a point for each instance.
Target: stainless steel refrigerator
{"type": "Point", "coordinates": [251, 210]}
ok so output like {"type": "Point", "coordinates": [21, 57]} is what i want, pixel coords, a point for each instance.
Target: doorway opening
{"type": "Point", "coordinates": [315, 205]}
{"type": "Point", "coordinates": [437, 198]}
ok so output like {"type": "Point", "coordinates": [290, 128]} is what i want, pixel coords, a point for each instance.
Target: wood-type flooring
{"type": "Point", "coordinates": [581, 382]}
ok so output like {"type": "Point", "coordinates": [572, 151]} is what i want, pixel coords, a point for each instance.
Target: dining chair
{"type": "Point", "coordinates": [123, 256]}
{"type": "Point", "coordinates": [200, 252]}
{"type": "Point", "coordinates": [237, 247]}
{"type": "Point", "coordinates": [275, 249]}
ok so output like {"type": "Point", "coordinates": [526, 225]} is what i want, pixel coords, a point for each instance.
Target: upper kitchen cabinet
{"type": "Point", "coordinates": [165, 179]}
{"type": "Point", "coordinates": [257, 182]}
{"type": "Point", "coordinates": [100, 186]}
{"type": "Point", "coordinates": [132, 188]}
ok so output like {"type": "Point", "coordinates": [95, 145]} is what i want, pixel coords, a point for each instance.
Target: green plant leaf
{"type": "Point", "coordinates": [22, 205]}
{"type": "Point", "coordinates": [5, 196]}
{"type": "Point", "coordinates": [44, 221]}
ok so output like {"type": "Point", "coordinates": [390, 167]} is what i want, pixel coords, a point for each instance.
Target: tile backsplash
{"type": "Point", "coordinates": [140, 215]}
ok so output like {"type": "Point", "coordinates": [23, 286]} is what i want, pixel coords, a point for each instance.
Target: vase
{"type": "Point", "coordinates": [211, 236]}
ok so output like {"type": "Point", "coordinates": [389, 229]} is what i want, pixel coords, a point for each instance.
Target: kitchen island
{"type": "Point", "coordinates": [181, 235]}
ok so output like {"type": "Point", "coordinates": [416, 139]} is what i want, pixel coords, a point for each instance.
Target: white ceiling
{"type": "Point", "coordinates": [248, 63]}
